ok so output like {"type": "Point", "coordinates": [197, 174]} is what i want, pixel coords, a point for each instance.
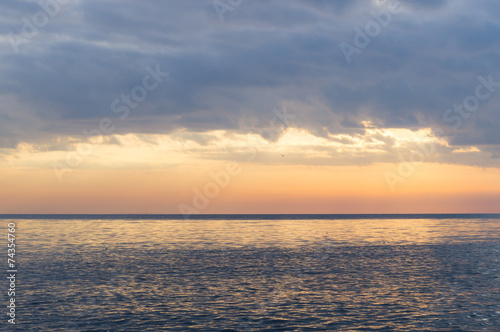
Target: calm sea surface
{"type": "Point", "coordinates": [255, 273]}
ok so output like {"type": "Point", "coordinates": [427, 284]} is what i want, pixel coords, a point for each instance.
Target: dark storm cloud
{"type": "Point", "coordinates": [262, 55]}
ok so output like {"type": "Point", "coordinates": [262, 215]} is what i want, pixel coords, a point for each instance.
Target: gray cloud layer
{"type": "Point", "coordinates": [264, 54]}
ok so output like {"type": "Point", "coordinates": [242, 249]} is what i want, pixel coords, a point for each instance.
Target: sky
{"type": "Point", "coordinates": [239, 106]}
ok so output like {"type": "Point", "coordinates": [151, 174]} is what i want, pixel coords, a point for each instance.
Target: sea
{"type": "Point", "coordinates": [436, 272]}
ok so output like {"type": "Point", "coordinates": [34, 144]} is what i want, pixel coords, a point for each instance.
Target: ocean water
{"type": "Point", "coordinates": [255, 273]}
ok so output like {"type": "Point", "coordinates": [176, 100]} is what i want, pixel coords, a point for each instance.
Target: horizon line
{"type": "Point", "coordinates": [260, 216]}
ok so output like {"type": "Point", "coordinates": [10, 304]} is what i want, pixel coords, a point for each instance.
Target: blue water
{"type": "Point", "coordinates": [257, 273]}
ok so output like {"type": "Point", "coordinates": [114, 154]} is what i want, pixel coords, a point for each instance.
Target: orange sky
{"type": "Point", "coordinates": [253, 188]}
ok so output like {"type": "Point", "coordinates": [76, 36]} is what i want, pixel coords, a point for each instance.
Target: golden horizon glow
{"type": "Point", "coordinates": [297, 173]}
{"type": "Point", "coordinates": [257, 189]}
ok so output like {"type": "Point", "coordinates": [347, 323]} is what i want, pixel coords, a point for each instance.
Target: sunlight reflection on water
{"type": "Point", "coordinates": [177, 275]}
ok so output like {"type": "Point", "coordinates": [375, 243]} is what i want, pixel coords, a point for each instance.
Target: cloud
{"type": "Point", "coordinates": [292, 147]}
{"type": "Point", "coordinates": [263, 55]}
